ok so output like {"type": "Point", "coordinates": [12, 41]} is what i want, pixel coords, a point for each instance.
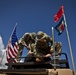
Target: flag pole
{"type": "Point", "coordinates": [69, 45]}
{"type": "Point", "coordinates": [6, 46]}
{"type": "Point", "coordinates": [54, 48]}
{"type": "Point", "coordinates": [13, 30]}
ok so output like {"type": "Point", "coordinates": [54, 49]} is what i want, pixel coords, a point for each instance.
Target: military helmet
{"type": "Point", "coordinates": [33, 35]}
{"type": "Point", "coordinates": [26, 36]}
{"type": "Point", "coordinates": [40, 34]}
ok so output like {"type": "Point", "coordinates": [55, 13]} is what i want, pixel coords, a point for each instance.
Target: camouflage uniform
{"type": "Point", "coordinates": [58, 47]}
{"type": "Point", "coordinates": [42, 45]}
{"type": "Point", "coordinates": [25, 41]}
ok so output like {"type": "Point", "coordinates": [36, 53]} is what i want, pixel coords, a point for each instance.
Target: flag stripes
{"type": "Point", "coordinates": [12, 46]}
{"type": "Point", "coordinates": [60, 26]}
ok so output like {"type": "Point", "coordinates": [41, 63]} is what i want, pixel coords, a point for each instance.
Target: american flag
{"type": "Point", "coordinates": [12, 46]}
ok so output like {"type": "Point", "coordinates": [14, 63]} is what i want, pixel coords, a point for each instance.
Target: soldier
{"type": "Point", "coordinates": [26, 41]}
{"type": "Point", "coordinates": [42, 47]}
{"type": "Point", "coordinates": [58, 49]}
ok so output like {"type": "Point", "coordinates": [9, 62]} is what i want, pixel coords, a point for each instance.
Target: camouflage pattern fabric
{"type": "Point", "coordinates": [26, 40]}
{"type": "Point", "coordinates": [42, 45]}
{"type": "Point", "coordinates": [58, 47]}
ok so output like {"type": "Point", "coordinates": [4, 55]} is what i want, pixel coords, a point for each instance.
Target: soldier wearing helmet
{"type": "Point", "coordinates": [41, 49]}
{"type": "Point", "coordinates": [26, 41]}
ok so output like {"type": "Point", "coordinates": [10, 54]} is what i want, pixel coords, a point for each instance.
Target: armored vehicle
{"type": "Point", "coordinates": [53, 67]}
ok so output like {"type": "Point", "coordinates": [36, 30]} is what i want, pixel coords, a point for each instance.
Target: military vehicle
{"type": "Point", "coordinates": [57, 65]}
{"type": "Point", "coordinates": [53, 67]}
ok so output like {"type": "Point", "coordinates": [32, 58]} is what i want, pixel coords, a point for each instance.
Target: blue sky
{"type": "Point", "coordinates": [38, 15]}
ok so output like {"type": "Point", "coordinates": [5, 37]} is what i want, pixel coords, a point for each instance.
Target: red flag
{"type": "Point", "coordinates": [59, 14]}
